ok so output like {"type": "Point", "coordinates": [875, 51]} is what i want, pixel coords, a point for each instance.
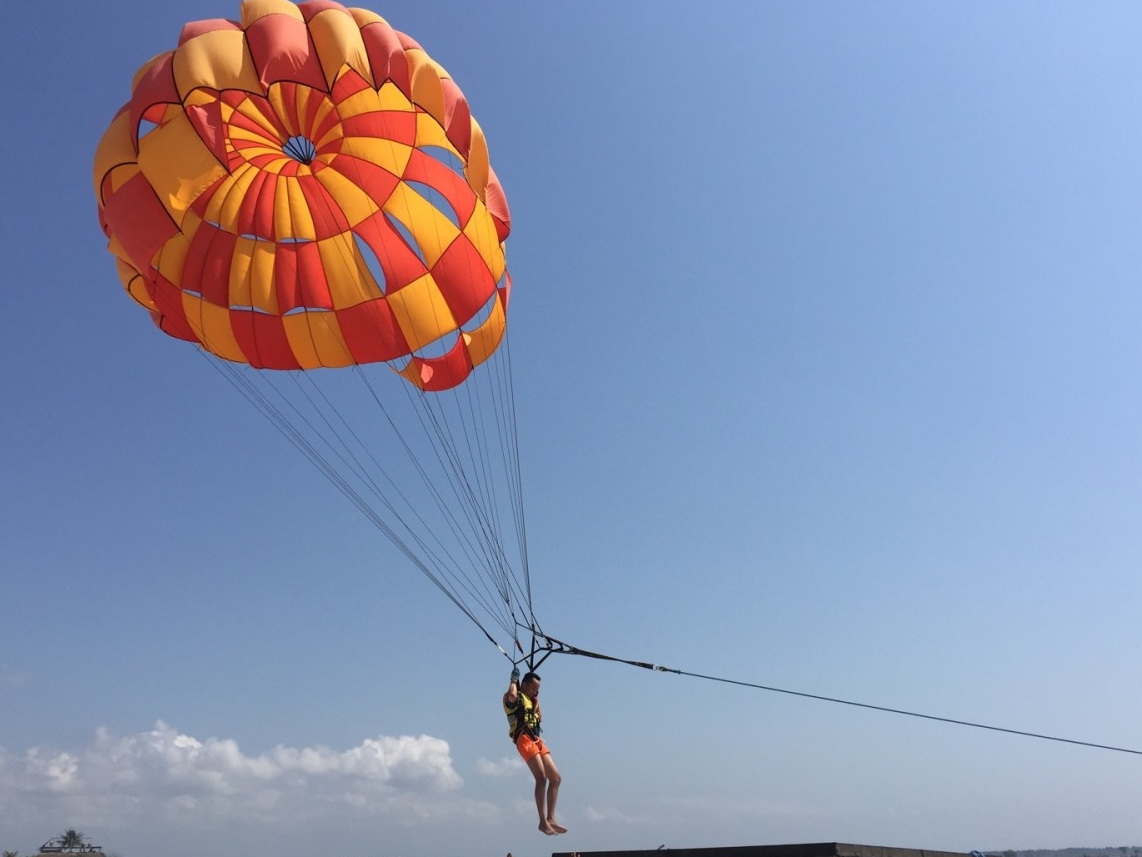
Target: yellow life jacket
{"type": "Point", "coordinates": [523, 716]}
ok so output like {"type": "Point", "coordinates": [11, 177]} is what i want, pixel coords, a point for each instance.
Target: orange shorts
{"type": "Point", "coordinates": [530, 747]}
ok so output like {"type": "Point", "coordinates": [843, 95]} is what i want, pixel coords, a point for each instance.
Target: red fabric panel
{"type": "Point", "coordinates": [256, 214]}
{"type": "Point", "coordinates": [263, 340]}
{"type": "Point", "coordinates": [348, 85]}
{"type": "Point", "coordinates": [328, 219]}
{"type": "Point", "coordinates": [377, 182]}
{"type": "Point", "coordinates": [464, 279]}
{"type": "Point", "coordinates": [207, 266]}
{"type": "Point", "coordinates": [171, 318]}
{"type": "Point", "coordinates": [137, 218]}
{"type": "Point", "coordinates": [197, 28]}
{"type": "Point", "coordinates": [457, 117]}
{"type": "Point", "coordinates": [444, 373]}
{"type": "Point", "coordinates": [311, 128]}
{"type": "Point", "coordinates": [299, 279]}
{"type": "Point", "coordinates": [427, 170]}
{"type": "Point", "coordinates": [497, 204]}
{"type": "Point", "coordinates": [261, 104]}
{"type": "Point", "coordinates": [281, 50]}
{"type": "Point", "coordinates": [313, 7]}
{"type": "Point", "coordinates": [398, 263]}
{"type": "Point", "coordinates": [202, 201]}
{"type": "Point", "coordinates": [395, 125]}
{"type": "Point", "coordinates": [288, 119]}
{"type": "Point", "coordinates": [407, 42]}
{"type": "Point", "coordinates": [208, 124]}
{"type": "Point", "coordinates": [372, 333]}
{"type": "Point", "coordinates": [154, 87]}
{"type": "Point", "coordinates": [386, 56]}
{"type": "Point", "coordinates": [505, 290]}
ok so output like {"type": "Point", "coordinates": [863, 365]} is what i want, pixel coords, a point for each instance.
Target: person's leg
{"type": "Point", "coordinates": [538, 769]}
{"type": "Point", "coordinates": [553, 781]}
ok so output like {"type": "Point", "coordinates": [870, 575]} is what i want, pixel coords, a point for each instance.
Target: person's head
{"type": "Point", "coordinates": [529, 684]}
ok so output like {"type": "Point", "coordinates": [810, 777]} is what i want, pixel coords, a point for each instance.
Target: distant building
{"type": "Point", "coordinates": [821, 849]}
{"type": "Point", "coordinates": [71, 845]}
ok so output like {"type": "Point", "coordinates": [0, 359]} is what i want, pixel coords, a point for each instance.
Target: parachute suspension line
{"type": "Point", "coordinates": [362, 473]}
{"type": "Point", "coordinates": [458, 531]}
{"type": "Point", "coordinates": [515, 470]}
{"type": "Point", "coordinates": [463, 536]}
{"type": "Point", "coordinates": [449, 461]}
{"type": "Point", "coordinates": [466, 432]}
{"type": "Point", "coordinates": [293, 433]}
{"type": "Point", "coordinates": [552, 646]}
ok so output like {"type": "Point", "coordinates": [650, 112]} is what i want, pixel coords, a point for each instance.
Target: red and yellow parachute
{"type": "Point", "coordinates": [304, 188]}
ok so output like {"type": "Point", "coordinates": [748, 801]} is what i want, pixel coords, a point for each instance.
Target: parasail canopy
{"type": "Point", "coordinates": [304, 189]}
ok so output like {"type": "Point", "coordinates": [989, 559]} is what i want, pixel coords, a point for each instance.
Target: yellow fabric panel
{"type": "Point", "coordinates": [172, 258]}
{"type": "Point", "coordinates": [177, 164]}
{"type": "Point", "coordinates": [338, 41]}
{"type": "Point", "coordinates": [421, 312]}
{"type": "Point", "coordinates": [248, 135]}
{"type": "Point", "coordinates": [284, 107]}
{"type": "Point", "coordinates": [486, 338]}
{"type": "Point", "coordinates": [365, 101]}
{"type": "Point", "coordinates": [316, 340]}
{"type": "Point", "coordinates": [251, 282]}
{"type": "Point", "coordinates": [429, 132]}
{"type": "Point", "coordinates": [414, 375]}
{"type": "Point", "coordinates": [213, 211]}
{"type": "Point", "coordinates": [481, 231]}
{"type": "Point", "coordinates": [199, 98]}
{"type": "Point", "coordinates": [392, 98]}
{"type": "Point", "coordinates": [123, 174]}
{"type": "Point", "coordinates": [251, 109]}
{"type": "Point", "coordinates": [441, 71]}
{"type": "Point", "coordinates": [261, 279]}
{"type": "Point", "coordinates": [478, 168]}
{"type": "Point", "coordinates": [432, 230]}
{"type": "Point", "coordinates": [426, 90]}
{"type": "Point", "coordinates": [211, 324]}
{"type": "Point", "coordinates": [291, 212]}
{"type": "Point", "coordinates": [354, 203]}
{"type": "Point", "coordinates": [324, 108]}
{"type": "Point", "coordinates": [235, 192]}
{"type": "Point", "coordinates": [253, 10]}
{"type": "Point", "coordinates": [218, 60]}
{"type": "Point", "coordinates": [115, 148]}
{"type": "Point", "coordinates": [390, 155]}
{"type": "Point", "coordinates": [349, 282]}
{"type": "Point", "coordinates": [363, 17]}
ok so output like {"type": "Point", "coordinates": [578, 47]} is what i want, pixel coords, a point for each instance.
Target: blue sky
{"type": "Point", "coordinates": [826, 343]}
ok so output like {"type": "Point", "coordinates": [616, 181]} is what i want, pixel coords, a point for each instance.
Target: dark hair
{"type": "Point", "coordinates": [526, 676]}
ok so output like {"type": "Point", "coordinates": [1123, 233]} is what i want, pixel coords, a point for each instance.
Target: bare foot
{"type": "Point", "coordinates": [556, 826]}
{"type": "Point", "coordinates": [545, 827]}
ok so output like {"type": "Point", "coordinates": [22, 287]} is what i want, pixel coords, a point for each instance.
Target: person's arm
{"type": "Point", "coordinates": [513, 687]}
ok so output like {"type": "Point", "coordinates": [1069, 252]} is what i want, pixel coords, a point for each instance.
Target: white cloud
{"type": "Point", "coordinates": [594, 814]}
{"type": "Point", "coordinates": [508, 766]}
{"type": "Point", "coordinates": [166, 774]}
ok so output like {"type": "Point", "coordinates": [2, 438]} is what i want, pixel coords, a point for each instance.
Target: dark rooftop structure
{"type": "Point", "coordinates": [819, 849]}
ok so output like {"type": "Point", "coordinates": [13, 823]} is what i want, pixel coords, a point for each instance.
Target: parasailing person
{"type": "Point", "coordinates": [521, 705]}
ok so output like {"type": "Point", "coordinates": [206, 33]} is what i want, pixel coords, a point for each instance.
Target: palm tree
{"type": "Point", "coordinates": [72, 838]}
{"type": "Point", "coordinates": [11, 854]}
